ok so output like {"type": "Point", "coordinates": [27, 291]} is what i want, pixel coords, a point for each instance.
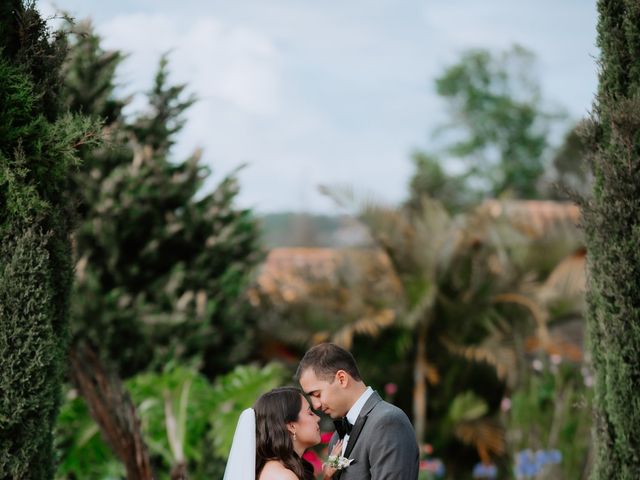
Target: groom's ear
{"type": "Point", "coordinates": [342, 378]}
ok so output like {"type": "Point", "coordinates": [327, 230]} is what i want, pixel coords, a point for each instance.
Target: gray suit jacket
{"type": "Point", "coordinates": [382, 444]}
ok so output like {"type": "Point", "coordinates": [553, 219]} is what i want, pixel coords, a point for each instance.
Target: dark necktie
{"type": "Point", "coordinates": [343, 427]}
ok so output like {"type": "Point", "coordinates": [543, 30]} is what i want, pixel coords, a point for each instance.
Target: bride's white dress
{"type": "Point", "coordinates": [242, 457]}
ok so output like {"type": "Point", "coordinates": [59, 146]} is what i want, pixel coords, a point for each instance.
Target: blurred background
{"type": "Point", "coordinates": [395, 177]}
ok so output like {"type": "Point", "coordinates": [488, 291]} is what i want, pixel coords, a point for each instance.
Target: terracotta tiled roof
{"type": "Point", "coordinates": [536, 218]}
{"type": "Point", "coordinates": [291, 275]}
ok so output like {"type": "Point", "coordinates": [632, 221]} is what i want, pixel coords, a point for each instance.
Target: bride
{"type": "Point", "coordinates": [271, 438]}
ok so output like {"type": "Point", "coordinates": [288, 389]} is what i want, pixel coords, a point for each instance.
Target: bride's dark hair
{"type": "Point", "coordinates": [274, 410]}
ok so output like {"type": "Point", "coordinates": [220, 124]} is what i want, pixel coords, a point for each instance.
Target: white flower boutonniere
{"type": "Point", "coordinates": [338, 462]}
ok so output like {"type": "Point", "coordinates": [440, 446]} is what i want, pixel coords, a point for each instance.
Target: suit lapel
{"type": "Point", "coordinates": [355, 433]}
{"type": "Point", "coordinates": [362, 418]}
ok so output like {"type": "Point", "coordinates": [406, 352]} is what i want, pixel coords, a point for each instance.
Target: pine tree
{"type": "Point", "coordinates": [37, 150]}
{"type": "Point", "coordinates": [612, 221]}
{"type": "Point", "coordinates": [161, 267]}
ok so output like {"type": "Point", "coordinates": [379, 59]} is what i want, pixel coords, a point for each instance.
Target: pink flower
{"type": "Point", "coordinates": [505, 404]}
{"type": "Point", "coordinates": [537, 365]}
{"type": "Point", "coordinates": [390, 388]}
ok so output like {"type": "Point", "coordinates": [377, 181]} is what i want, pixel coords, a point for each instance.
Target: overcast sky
{"type": "Point", "coordinates": [330, 92]}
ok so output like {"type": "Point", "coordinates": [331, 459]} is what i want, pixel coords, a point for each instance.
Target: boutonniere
{"type": "Point", "coordinates": [338, 462]}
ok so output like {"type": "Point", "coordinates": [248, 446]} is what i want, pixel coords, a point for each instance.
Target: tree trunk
{"type": "Point", "coordinates": [179, 472]}
{"type": "Point", "coordinates": [112, 409]}
{"type": "Point", "coordinates": [420, 384]}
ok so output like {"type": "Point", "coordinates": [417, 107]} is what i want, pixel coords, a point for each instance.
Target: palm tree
{"type": "Point", "coordinates": [455, 271]}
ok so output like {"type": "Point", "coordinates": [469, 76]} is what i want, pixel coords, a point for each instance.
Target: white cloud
{"type": "Point", "coordinates": [228, 63]}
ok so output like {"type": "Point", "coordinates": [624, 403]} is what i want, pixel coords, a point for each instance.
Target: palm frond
{"type": "Point", "coordinates": [567, 281]}
{"type": "Point", "coordinates": [420, 312]}
{"type": "Point", "coordinates": [495, 351]}
{"type": "Point", "coordinates": [467, 415]}
{"type": "Point", "coordinates": [354, 203]}
{"type": "Point", "coordinates": [486, 435]}
{"type": "Point", "coordinates": [538, 313]}
{"type": "Point", "coordinates": [370, 325]}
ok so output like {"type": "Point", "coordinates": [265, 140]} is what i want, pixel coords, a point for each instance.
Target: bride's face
{"type": "Point", "coordinates": [306, 428]}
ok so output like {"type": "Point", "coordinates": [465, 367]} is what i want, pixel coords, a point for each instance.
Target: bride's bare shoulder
{"type": "Point", "coordinates": [274, 470]}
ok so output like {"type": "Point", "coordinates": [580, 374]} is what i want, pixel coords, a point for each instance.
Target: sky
{"type": "Point", "coordinates": [338, 93]}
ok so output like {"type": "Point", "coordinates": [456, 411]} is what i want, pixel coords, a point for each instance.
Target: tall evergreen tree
{"type": "Point", "coordinates": [161, 267]}
{"type": "Point", "coordinates": [37, 148]}
{"type": "Point", "coordinates": [612, 220]}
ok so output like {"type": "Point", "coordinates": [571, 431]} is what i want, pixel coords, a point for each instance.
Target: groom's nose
{"type": "Point", "coordinates": [315, 403]}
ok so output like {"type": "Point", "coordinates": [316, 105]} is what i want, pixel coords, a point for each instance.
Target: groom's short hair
{"type": "Point", "coordinates": [326, 359]}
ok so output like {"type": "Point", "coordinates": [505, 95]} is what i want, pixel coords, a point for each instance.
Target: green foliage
{"type": "Point", "coordinates": [161, 267]}
{"type": "Point", "coordinates": [235, 392]}
{"type": "Point", "coordinates": [184, 393]}
{"type": "Point", "coordinates": [31, 353]}
{"type": "Point", "coordinates": [497, 132]}
{"type": "Point", "coordinates": [552, 410]}
{"type": "Point", "coordinates": [89, 72]}
{"type": "Point", "coordinates": [82, 452]}
{"type": "Point", "coordinates": [186, 397]}
{"type": "Point", "coordinates": [612, 222]}
{"type": "Point", "coordinates": [37, 149]}
{"type": "Point", "coordinates": [180, 392]}
{"type": "Point", "coordinates": [202, 416]}
{"type": "Point", "coordinates": [429, 178]}
{"type": "Point", "coordinates": [25, 38]}
{"type": "Point", "coordinates": [571, 175]}
{"type": "Point", "coordinates": [465, 346]}
{"type": "Point", "coordinates": [158, 127]}
{"type": "Point", "coordinates": [467, 406]}
{"type": "Point", "coordinates": [496, 102]}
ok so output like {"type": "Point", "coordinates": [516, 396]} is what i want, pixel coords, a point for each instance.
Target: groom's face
{"type": "Point", "coordinates": [327, 395]}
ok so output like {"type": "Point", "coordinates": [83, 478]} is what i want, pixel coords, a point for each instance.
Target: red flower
{"type": "Point", "coordinates": [313, 458]}
{"type": "Point", "coordinates": [427, 448]}
{"type": "Point", "coordinates": [325, 437]}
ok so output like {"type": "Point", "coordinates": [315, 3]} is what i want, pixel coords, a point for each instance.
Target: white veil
{"type": "Point", "coordinates": [242, 457]}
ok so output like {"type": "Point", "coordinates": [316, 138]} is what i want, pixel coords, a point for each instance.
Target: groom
{"type": "Point", "coordinates": [376, 435]}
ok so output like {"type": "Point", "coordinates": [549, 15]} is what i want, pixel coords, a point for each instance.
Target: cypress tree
{"type": "Point", "coordinates": [612, 222]}
{"type": "Point", "coordinates": [37, 150]}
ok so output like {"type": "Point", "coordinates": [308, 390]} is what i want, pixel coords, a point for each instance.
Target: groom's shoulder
{"type": "Point", "coordinates": [386, 411]}
{"type": "Point", "coordinates": [393, 423]}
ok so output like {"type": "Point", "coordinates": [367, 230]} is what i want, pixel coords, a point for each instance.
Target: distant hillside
{"type": "Point", "coordinates": [288, 229]}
